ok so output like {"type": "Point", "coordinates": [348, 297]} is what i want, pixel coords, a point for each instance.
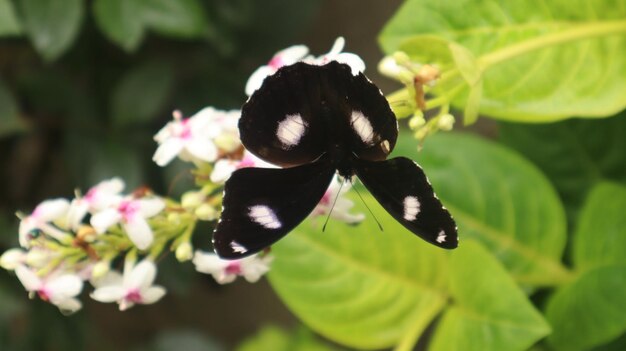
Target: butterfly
{"type": "Point", "coordinates": [315, 121]}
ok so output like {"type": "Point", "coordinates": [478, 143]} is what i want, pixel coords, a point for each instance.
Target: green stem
{"type": "Point", "coordinates": [578, 32]}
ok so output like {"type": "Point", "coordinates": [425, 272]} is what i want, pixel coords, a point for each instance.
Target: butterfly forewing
{"type": "Point", "coordinates": [261, 205]}
{"type": "Point", "coordinates": [403, 190]}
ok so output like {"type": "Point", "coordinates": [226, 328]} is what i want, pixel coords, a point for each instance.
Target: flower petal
{"type": "Point", "coordinates": [167, 151]}
{"type": "Point", "coordinates": [102, 220]}
{"type": "Point", "coordinates": [108, 293]}
{"type": "Point", "coordinates": [50, 210]}
{"type": "Point", "coordinates": [152, 294]}
{"type": "Point", "coordinates": [76, 213]}
{"type": "Point", "coordinates": [64, 286]}
{"type": "Point", "coordinates": [256, 79]}
{"type": "Point", "coordinates": [141, 276]}
{"type": "Point", "coordinates": [203, 149]}
{"type": "Point", "coordinates": [139, 232]}
{"type": "Point", "coordinates": [68, 306]}
{"type": "Point", "coordinates": [150, 207]}
{"type": "Point", "coordinates": [208, 263]}
{"type": "Point", "coordinates": [28, 278]}
{"type": "Point", "coordinates": [222, 170]}
{"type": "Point", "coordinates": [12, 258]}
{"type": "Point", "coordinates": [354, 61]}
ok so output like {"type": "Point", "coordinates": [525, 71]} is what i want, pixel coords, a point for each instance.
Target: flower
{"type": "Point", "coordinates": [100, 196]}
{"type": "Point", "coordinates": [285, 57]}
{"type": "Point", "coordinates": [198, 137]}
{"type": "Point", "coordinates": [132, 213]}
{"type": "Point", "coordinates": [225, 167]}
{"type": "Point", "coordinates": [298, 53]}
{"type": "Point", "coordinates": [41, 220]}
{"type": "Point", "coordinates": [226, 271]}
{"type": "Point", "coordinates": [342, 205]}
{"type": "Point", "coordinates": [12, 258]}
{"type": "Point", "coordinates": [58, 289]}
{"type": "Point", "coordinates": [134, 287]}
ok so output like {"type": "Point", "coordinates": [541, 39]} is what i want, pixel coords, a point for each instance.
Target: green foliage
{"type": "Point", "coordinates": [574, 154]}
{"type": "Point", "coordinates": [540, 61]}
{"type": "Point", "coordinates": [276, 339]}
{"type": "Point", "coordinates": [9, 24]}
{"type": "Point", "coordinates": [50, 35]}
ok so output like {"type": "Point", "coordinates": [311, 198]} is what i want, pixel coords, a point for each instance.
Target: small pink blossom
{"type": "Point", "coordinates": [41, 220]}
{"type": "Point", "coordinates": [134, 287]}
{"type": "Point", "coordinates": [198, 137]}
{"type": "Point", "coordinates": [132, 213]}
{"type": "Point", "coordinates": [342, 207]}
{"type": "Point", "coordinates": [252, 268]}
{"type": "Point", "coordinates": [285, 57]}
{"type": "Point", "coordinates": [224, 168]}
{"type": "Point", "coordinates": [59, 289]}
{"type": "Point", "coordinates": [100, 196]}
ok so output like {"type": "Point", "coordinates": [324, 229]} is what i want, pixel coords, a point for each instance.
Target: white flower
{"type": "Point", "coordinates": [134, 287]}
{"type": "Point", "coordinates": [335, 54]}
{"type": "Point", "coordinates": [102, 195]}
{"type": "Point", "coordinates": [58, 289]}
{"type": "Point", "coordinates": [342, 206]}
{"type": "Point", "coordinates": [298, 53]}
{"type": "Point", "coordinates": [132, 213]}
{"type": "Point", "coordinates": [225, 167]}
{"type": "Point", "coordinates": [12, 258]}
{"type": "Point", "coordinates": [226, 271]}
{"type": "Point", "coordinates": [41, 220]}
{"type": "Point", "coordinates": [285, 57]}
{"type": "Point", "coordinates": [198, 137]}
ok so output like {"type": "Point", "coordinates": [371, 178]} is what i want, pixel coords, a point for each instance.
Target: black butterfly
{"type": "Point", "coordinates": [315, 121]}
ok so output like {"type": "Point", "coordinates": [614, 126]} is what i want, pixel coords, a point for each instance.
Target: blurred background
{"type": "Point", "coordinates": [83, 91]}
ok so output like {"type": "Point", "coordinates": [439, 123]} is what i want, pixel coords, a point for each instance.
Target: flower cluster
{"type": "Point", "coordinates": [68, 243]}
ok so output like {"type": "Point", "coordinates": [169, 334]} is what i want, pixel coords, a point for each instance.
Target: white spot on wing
{"type": "Point", "coordinates": [264, 216]}
{"type": "Point", "coordinates": [237, 247]}
{"type": "Point", "coordinates": [411, 208]}
{"type": "Point", "coordinates": [362, 127]}
{"type": "Point", "coordinates": [441, 237]}
{"type": "Point", "coordinates": [290, 130]}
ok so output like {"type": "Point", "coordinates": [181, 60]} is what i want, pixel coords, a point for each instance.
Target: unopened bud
{"type": "Point", "coordinates": [100, 269]}
{"type": "Point", "coordinates": [10, 259]}
{"type": "Point", "coordinates": [206, 212]}
{"type": "Point", "coordinates": [417, 120]}
{"type": "Point", "coordinates": [192, 199]}
{"type": "Point", "coordinates": [184, 252]}
{"type": "Point", "coordinates": [446, 122]}
{"type": "Point", "coordinates": [37, 258]}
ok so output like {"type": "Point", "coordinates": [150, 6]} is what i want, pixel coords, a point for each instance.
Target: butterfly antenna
{"type": "Point", "coordinates": [368, 208]}
{"type": "Point", "coordinates": [333, 206]}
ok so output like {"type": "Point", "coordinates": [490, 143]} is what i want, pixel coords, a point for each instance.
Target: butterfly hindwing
{"type": "Point", "coordinates": [261, 205]}
{"type": "Point", "coordinates": [402, 188]}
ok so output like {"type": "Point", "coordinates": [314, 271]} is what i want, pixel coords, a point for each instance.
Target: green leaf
{"type": "Point", "coordinates": [498, 198]}
{"type": "Point", "coordinates": [490, 312]}
{"type": "Point", "coordinates": [182, 18]}
{"type": "Point", "coordinates": [9, 24]}
{"type": "Point", "coordinates": [600, 238]}
{"type": "Point", "coordinates": [183, 339]}
{"type": "Point", "coordinates": [590, 311]}
{"type": "Point", "coordinates": [574, 154]}
{"type": "Point", "coordinates": [9, 114]}
{"type": "Point", "coordinates": [141, 93]}
{"type": "Point", "coordinates": [470, 113]}
{"type": "Point", "coordinates": [542, 61]}
{"type": "Point", "coordinates": [466, 64]}
{"type": "Point", "coordinates": [52, 25]}
{"type": "Point", "coordinates": [276, 339]}
{"type": "Point", "coordinates": [357, 285]}
{"type": "Point", "coordinates": [119, 20]}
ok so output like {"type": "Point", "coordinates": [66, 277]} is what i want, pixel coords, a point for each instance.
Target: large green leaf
{"type": "Point", "coordinates": [590, 311]}
{"type": "Point", "coordinates": [52, 25]}
{"type": "Point", "coordinates": [498, 198]}
{"type": "Point", "coordinates": [600, 238]}
{"type": "Point", "coordinates": [277, 339]}
{"type": "Point", "coordinates": [141, 93]}
{"type": "Point", "coordinates": [574, 154]}
{"type": "Point", "coordinates": [360, 286]}
{"type": "Point", "coordinates": [541, 60]}
{"type": "Point", "coordinates": [9, 24]}
{"type": "Point", "coordinates": [120, 21]}
{"type": "Point", "coordinates": [489, 311]}
{"type": "Point", "coordinates": [182, 18]}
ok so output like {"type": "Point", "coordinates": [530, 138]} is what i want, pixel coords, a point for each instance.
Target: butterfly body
{"type": "Point", "coordinates": [317, 121]}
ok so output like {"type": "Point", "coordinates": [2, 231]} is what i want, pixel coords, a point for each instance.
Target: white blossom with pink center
{"type": "Point", "coordinates": [59, 289]}
{"type": "Point", "coordinates": [342, 206]}
{"type": "Point", "coordinates": [99, 197]}
{"type": "Point", "coordinates": [252, 268]}
{"type": "Point", "coordinates": [132, 214]}
{"type": "Point", "coordinates": [285, 57]}
{"type": "Point", "coordinates": [335, 54]}
{"type": "Point", "coordinates": [12, 258]}
{"type": "Point", "coordinates": [41, 220]}
{"type": "Point", "coordinates": [225, 167]}
{"type": "Point", "coordinates": [134, 287]}
{"type": "Point", "coordinates": [195, 138]}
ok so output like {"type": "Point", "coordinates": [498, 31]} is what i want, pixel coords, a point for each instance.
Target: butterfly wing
{"type": "Point", "coordinates": [280, 122]}
{"type": "Point", "coordinates": [261, 205]}
{"type": "Point", "coordinates": [403, 190]}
